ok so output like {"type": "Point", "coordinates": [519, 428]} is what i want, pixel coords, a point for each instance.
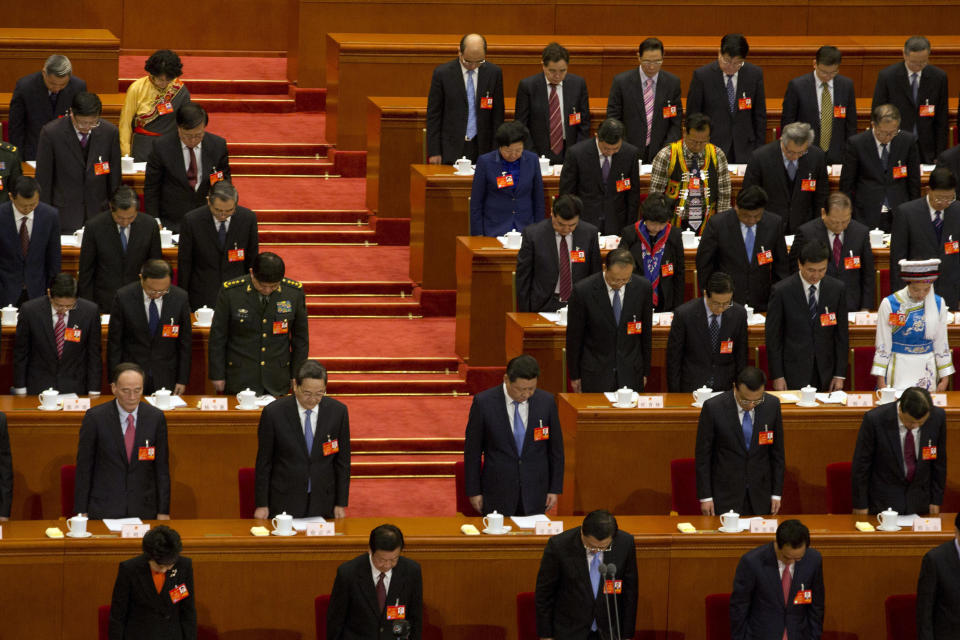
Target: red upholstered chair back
{"type": "Point", "coordinates": [526, 616]}
{"type": "Point", "coordinates": [839, 498]}
{"type": "Point", "coordinates": [460, 485]}
{"type": "Point", "coordinates": [901, 613]}
{"type": "Point", "coordinates": [717, 607]}
{"type": "Point", "coordinates": [320, 606]}
{"type": "Point", "coordinates": [683, 487]}
{"type": "Point", "coordinates": [68, 474]}
{"type": "Point", "coordinates": [883, 285]}
{"type": "Point", "coordinates": [861, 361]}
{"type": "Point", "coordinates": [103, 622]}
{"type": "Point", "coordinates": [246, 486]}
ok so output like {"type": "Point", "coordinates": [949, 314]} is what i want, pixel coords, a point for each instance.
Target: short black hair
{"type": "Point", "coordinates": [567, 206]}
{"type": "Point", "coordinates": [793, 533]}
{"type": "Point", "coordinates": [156, 269]}
{"type": "Point", "coordinates": [828, 56]}
{"type": "Point", "coordinates": [510, 132]}
{"type": "Point", "coordinates": [611, 131]}
{"type": "Point", "coordinates": [656, 209]}
{"type": "Point", "coordinates": [124, 198]}
{"type": "Point", "coordinates": [752, 198]}
{"type": "Point", "coordinates": [64, 285]}
{"type": "Point", "coordinates": [553, 52]}
{"type": "Point", "coordinates": [463, 42]}
{"type": "Point", "coordinates": [599, 524]}
{"type": "Point", "coordinates": [164, 63]}
{"type": "Point", "coordinates": [620, 255]}
{"type": "Point", "coordinates": [915, 44]}
{"type": "Point", "coordinates": [386, 537]}
{"type": "Point", "coordinates": [162, 545]}
{"type": "Point", "coordinates": [523, 366]}
{"type": "Point", "coordinates": [191, 115]}
{"type": "Point", "coordinates": [752, 378]}
{"type": "Point", "coordinates": [915, 402]}
{"type": "Point", "coordinates": [24, 187]}
{"type": "Point", "coordinates": [697, 122]}
{"type": "Point", "coordinates": [86, 104]}
{"type": "Point", "coordinates": [942, 178]}
{"type": "Point", "coordinates": [719, 282]}
{"type": "Point", "coordinates": [123, 367]}
{"type": "Point", "coordinates": [814, 251]}
{"type": "Point", "coordinates": [734, 45]}
{"type": "Point", "coordinates": [311, 370]}
{"type": "Point", "coordinates": [650, 44]}
{"type": "Point", "coordinates": [268, 267]}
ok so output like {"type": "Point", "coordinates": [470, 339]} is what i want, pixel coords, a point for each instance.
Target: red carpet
{"type": "Point", "coordinates": [269, 127]}
{"type": "Point", "coordinates": [210, 68]}
{"type": "Point", "coordinates": [332, 264]}
{"type": "Point", "coordinates": [386, 337]}
{"type": "Point", "coordinates": [401, 498]}
{"type": "Point", "coordinates": [408, 417]}
{"type": "Point", "coordinates": [302, 193]}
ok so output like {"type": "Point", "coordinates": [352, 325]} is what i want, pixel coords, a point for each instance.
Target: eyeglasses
{"type": "Point", "coordinates": [472, 63]}
{"type": "Point", "coordinates": [651, 63]}
{"type": "Point", "coordinates": [63, 308]}
{"type": "Point", "coordinates": [944, 200]}
{"type": "Point", "coordinates": [719, 306]}
{"type": "Point", "coordinates": [85, 125]}
{"type": "Point", "coordinates": [886, 135]}
{"type": "Point", "coordinates": [153, 293]}
{"type": "Point", "coordinates": [751, 403]}
{"type": "Point", "coordinates": [599, 549]}
{"type": "Point", "coordinates": [313, 395]}
{"type": "Point", "coordinates": [729, 63]}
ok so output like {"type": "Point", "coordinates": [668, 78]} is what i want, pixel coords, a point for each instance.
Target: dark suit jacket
{"type": "Point", "coordinates": [533, 110]}
{"type": "Point", "coordinates": [447, 109]}
{"type": "Point", "coordinates": [867, 183]}
{"type": "Point", "coordinates": [738, 133]}
{"type": "Point", "coordinates": [879, 479]}
{"type": "Point", "coordinates": [725, 468]}
{"type": "Point", "coordinates": [859, 284]}
{"type": "Point", "coordinates": [538, 263]}
{"type": "Point", "coordinates": [35, 362]}
{"type": "Point", "coordinates": [893, 87]}
{"type": "Point", "coordinates": [492, 466]}
{"type": "Point", "coordinates": [354, 613]}
{"type": "Point", "coordinates": [203, 266]}
{"type": "Point", "coordinates": [107, 484]}
{"type": "Point", "coordinates": [166, 360]}
{"type": "Point", "coordinates": [138, 611]}
{"type": "Point", "coordinates": [67, 175]}
{"type": "Point", "coordinates": [915, 238]}
{"type": "Point", "coordinates": [722, 249]}
{"type": "Point", "coordinates": [6, 469]}
{"type": "Point", "coordinates": [43, 257]}
{"type": "Point", "coordinates": [626, 105]}
{"type": "Point", "coordinates": [801, 103]}
{"type": "Point", "coordinates": [30, 109]}
{"type": "Point", "coordinates": [566, 604]}
{"type": "Point", "coordinates": [495, 211]}
{"type": "Point", "coordinates": [757, 608]}
{"type": "Point", "coordinates": [166, 192]}
{"type": "Point", "coordinates": [938, 593]}
{"type": "Point", "coordinates": [691, 360]}
{"type": "Point", "coordinates": [599, 351]}
{"type": "Point", "coordinates": [284, 469]}
{"type": "Point", "coordinates": [951, 160]}
{"type": "Point", "coordinates": [789, 200]}
{"type": "Point", "coordinates": [671, 288]}
{"type": "Point", "coordinates": [104, 267]}
{"type": "Point", "coordinates": [603, 206]}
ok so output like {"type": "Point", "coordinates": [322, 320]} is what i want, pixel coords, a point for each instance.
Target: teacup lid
{"type": "Point", "coordinates": [512, 232]}
{"type": "Point", "coordinates": [51, 390]}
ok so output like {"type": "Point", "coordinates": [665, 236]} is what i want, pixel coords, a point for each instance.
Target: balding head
{"type": "Point", "coordinates": [473, 46]}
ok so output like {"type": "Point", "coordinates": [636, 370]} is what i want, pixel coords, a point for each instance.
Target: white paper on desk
{"type": "Point", "coordinates": [104, 319]}
{"type": "Point", "coordinates": [175, 401]}
{"type": "Point", "coordinates": [836, 397]}
{"type": "Point", "coordinates": [788, 240]}
{"type": "Point", "coordinates": [115, 524]}
{"type": "Point", "coordinates": [138, 167]}
{"type": "Point", "coordinates": [263, 401]}
{"type": "Point", "coordinates": [927, 168]}
{"type": "Point", "coordinates": [646, 169]}
{"type": "Point", "coordinates": [789, 397]}
{"type": "Point", "coordinates": [756, 319]}
{"type": "Point", "coordinates": [744, 523]}
{"type": "Point", "coordinates": [836, 169]}
{"type": "Point", "coordinates": [67, 396]}
{"type": "Point", "coordinates": [69, 241]}
{"type": "Point", "coordinates": [550, 316]}
{"type": "Point", "coordinates": [300, 524]}
{"type": "Point", "coordinates": [609, 242]}
{"type": "Point", "coordinates": [529, 522]}
{"type": "Point", "coordinates": [907, 520]}
{"type": "Point", "coordinates": [32, 163]}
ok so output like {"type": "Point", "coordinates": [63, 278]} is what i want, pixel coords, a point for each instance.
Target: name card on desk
{"type": "Point", "coordinates": [926, 524]}
{"type": "Point", "coordinates": [76, 404]}
{"type": "Point", "coordinates": [548, 527]}
{"type": "Point", "coordinates": [213, 404]}
{"type": "Point", "coordinates": [650, 402]}
{"type": "Point", "coordinates": [1, 533]}
{"type": "Point", "coordinates": [939, 399]}
{"type": "Point", "coordinates": [859, 399]}
{"type": "Point", "coordinates": [134, 530]}
{"type": "Point", "coordinates": [763, 525]}
{"type": "Point", "coordinates": [865, 319]}
{"type": "Point", "coordinates": [319, 529]}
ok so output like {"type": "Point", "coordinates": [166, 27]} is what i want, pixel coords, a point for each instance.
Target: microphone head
{"type": "Point", "coordinates": [612, 570]}
{"type": "Point", "coordinates": [401, 628]}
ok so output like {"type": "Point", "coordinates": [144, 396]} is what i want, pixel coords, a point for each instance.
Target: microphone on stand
{"type": "Point", "coordinates": [401, 629]}
{"type": "Point", "coordinates": [606, 597]}
{"type": "Point", "coordinates": [612, 573]}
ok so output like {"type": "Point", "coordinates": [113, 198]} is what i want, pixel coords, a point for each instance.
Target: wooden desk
{"type": "Point", "coordinates": [112, 104]}
{"type": "Point", "coordinates": [485, 271]}
{"type": "Point", "coordinates": [248, 587]}
{"type": "Point", "coordinates": [133, 180]}
{"type": "Point", "coordinates": [94, 54]}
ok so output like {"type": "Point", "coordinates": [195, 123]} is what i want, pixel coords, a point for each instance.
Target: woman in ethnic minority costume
{"type": "Point", "coordinates": [912, 347]}
{"type": "Point", "coordinates": [657, 246]}
{"type": "Point", "coordinates": [149, 110]}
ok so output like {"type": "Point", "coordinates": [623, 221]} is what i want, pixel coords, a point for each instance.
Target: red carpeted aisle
{"type": "Point", "coordinates": [383, 337]}
{"type": "Point", "coordinates": [408, 417]}
{"type": "Point", "coordinates": [214, 68]}
{"type": "Point", "coordinates": [270, 127]}
{"type": "Point", "coordinates": [345, 264]}
{"type": "Point", "coordinates": [271, 192]}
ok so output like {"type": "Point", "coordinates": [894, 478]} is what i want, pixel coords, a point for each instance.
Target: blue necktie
{"type": "Point", "coordinates": [123, 238]}
{"type": "Point", "coordinates": [747, 429]}
{"type": "Point", "coordinates": [731, 94]}
{"type": "Point", "coordinates": [914, 86]}
{"type": "Point", "coordinates": [884, 156]}
{"type": "Point", "coordinates": [792, 170]}
{"type": "Point", "coordinates": [616, 306]}
{"type": "Point", "coordinates": [471, 107]}
{"type": "Point", "coordinates": [595, 581]}
{"type": "Point", "coordinates": [308, 436]}
{"type": "Point", "coordinates": [605, 170]}
{"type": "Point", "coordinates": [222, 233]}
{"type": "Point", "coordinates": [154, 319]}
{"type": "Point", "coordinates": [938, 225]}
{"type": "Point", "coordinates": [748, 242]}
{"type": "Point", "coordinates": [812, 302]}
{"type": "Point", "coordinates": [519, 431]}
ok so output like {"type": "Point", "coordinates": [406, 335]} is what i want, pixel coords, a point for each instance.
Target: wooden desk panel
{"type": "Point", "coordinates": [112, 104]}
{"type": "Point", "coordinates": [484, 272]}
{"type": "Point", "coordinates": [132, 180]}
{"type": "Point", "coordinates": [94, 53]}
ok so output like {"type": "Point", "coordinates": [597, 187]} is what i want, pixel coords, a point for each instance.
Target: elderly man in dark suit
{"type": "Point", "coordinates": [707, 344]}
{"type": "Point", "coordinates": [39, 98]}
{"type": "Point", "coordinates": [951, 160]}
{"type": "Point", "coordinates": [851, 257]}
{"type": "Point", "coordinates": [792, 607]}
{"type": "Point", "coordinates": [302, 438]}
{"type": "Point", "coordinates": [730, 91]}
{"type": "Point", "coordinates": [78, 163]}
{"type": "Point", "coordinates": [605, 173]}
{"type": "Point", "coordinates": [647, 101]}
{"type": "Point", "coordinates": [122, 455]}
{"type": "Point", "coordinates": [881, 169]}
{"type": "Point", "coordinates": [554, 106]}
{"type": "Point", "coordinates": [29, 244]}
{"type": "Point", "coordinates": [218, 242]}
{"type": "Point", "coordinates": [554, 255]}
{"type": "Point", "coordinates": [900, 460]}
{"type": "Point", "coordinates": [938, 590]}
{"type": "Point", "coordinates": [183, 167]}
{"type": "Point", "coordinates": [58, 342]}
{"type": "Point", "coordinates": [826, 101]}
{"type": "Point", "coordinates": [747, 243]}
{"type": "Point", "coordinates": [115, 245]}
{"type": "Point", "coordinates": [465, 104]}
{"type": "Point", "coordinates": [793, 172]}
{"type": "Point", "coordinates": [657, 246]}
{"type": "Point", "coordinates": [375, 591]}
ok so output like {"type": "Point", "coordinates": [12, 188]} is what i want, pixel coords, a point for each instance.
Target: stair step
{"type": "Point", "coordinates": [281, 167]}
{"type": "Point", "coordinates": [240, 103]}
{"type": "Point", "coordinates": [364, 469]}
{"type": "Point", "coordinates": [409, 364]}
{"type": "Point", "coordinates": [385, 384]}
{"type": "Point", "coordinates": [234, 86]}
{"type": "Point", "coordinates": [299, 216]}
{"type": "Point", "coordinates": [320, 235]}
{"type": "Point", "coordinates": [305, 149]}
{"type": "Point", "coordinates": [408, 446]}
{"type": "Point", "coordinates": [362, 307]}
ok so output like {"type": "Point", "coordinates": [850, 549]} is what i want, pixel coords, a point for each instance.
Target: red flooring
{"type": "Point", "coordinates": [344, 264]}
{"type": "Point", "coordinates": [384, 337]}
{"type": "Point", "coordinates": [401, 498]}
{"type": "Point", "coordinates": [214, 68]}
{"type": "Point", "coordinates": [407, 417]}
{"type": "Point", "coordinates": [302, 193]}
{"type": "Point", "coordinates": [269, 127]}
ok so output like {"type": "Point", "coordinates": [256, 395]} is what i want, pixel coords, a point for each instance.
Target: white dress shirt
{"type": "Point", "coordinates": [806, 290]}
{"type": "Point", "coordinates": [376, 576]}
{"type": "Point", "coordinates": [123, 417]}
{"type": "Point", "coordinates": [18, 220]}
{"type": "Point", "coordinates": [476, 75]}
{"type": "Point", "coordinates": [146, 306]}
{"type": "Point", "coordinates": [524, 408]}
{"type": "Point", "coordinates": [785, 567]}
{"type": "Point", "coordinates": [216, 223]}
{"type": "Point", "coordinates": [313, 418]}
{"type": "Point", "coordinates": [610, 290]}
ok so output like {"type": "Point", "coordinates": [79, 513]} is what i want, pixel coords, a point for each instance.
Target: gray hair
{"type": "Point", "coordinates": [798, 133]}
{"type": "Point", "coordinates": [124, 198]}
{"type": "Point", "coordinates": [915, 44]}
{"type": "Point", "coordinates": [883, 113]}
{"type": "Point", "coordinates": [57, 65]}
{"type": "Point", "coordinates": [224, 190]}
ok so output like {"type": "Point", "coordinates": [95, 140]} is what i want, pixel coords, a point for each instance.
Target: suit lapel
{"type": "Point", "coordinates": [72, 142]}
{"type": "Point", "coordinates": [296, 427]}
{"type": "Point", "coordinates": [735, 424]}
{"type": "Point", "coordinates": [771, 572]}
{"type": "Point", "coordinates": [603, 302]}
{"type": "Point", "coordinates": [368, 589]}
{"type": "Point", "coordinates": [925, 225]}
{"type": "Point", "coordinates": [508, 422]}
{"type": "Point", "coordinates": [116, 432]}
{"type": "Point", "coordinates": [893, 439]}
{"type": "Point", "coordinates": [739, 246]}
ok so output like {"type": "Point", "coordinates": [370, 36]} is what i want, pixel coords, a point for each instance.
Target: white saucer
{"type": "Point", "coordinates": [879, 401]}
{"type": "Point", "coordinates": [203, 324]}
{"type": "Point", "coordinates": [625, 406]}
{"type": "Point", "coordinates": [239, 408]}
{"type": "Point", "coordinates": [71, 534]}
{"type": "Point", "coordinates": [276, 532]}
{"type": "Point", "coordinates": [506, 529]}
{"type": "Point", "coordinates": [464, 173]}
{"type": "Point", "coordinates": [560, 324]}
{"type": "Point", "coordinates": [888, 530]}
{"type": "Point", "coordinates": [808, 404]}
{"type": "Point", "coordinates": [728, 530]}
{"type": "Point", "coordinates": [43, 408]}
{"type": "Point", "coordinates": [698, 405]}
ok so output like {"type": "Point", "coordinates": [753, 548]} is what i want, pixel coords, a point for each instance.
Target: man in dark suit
{"type": "Point", "coordinates": [747, 243]}
{"type": "Point", "coordinates": [851, 259]}
{"type": "Point", "coordinates": [554, 106]}
{"type": "Point", "coordinates": [150, 325]}
{"type": "Point", "coordinates": [778, 589]}
{"type": "Point", "coordinates": [78, 162]}
{"type": "Point", "coordinates": [554, 255]}
{"type": "Point", "coordinates": [6, 471]}
{"type": "Point", "coordinates": [730, 91]}
{"type": "Point", "coordinates": [302, 438]}
{"type": "Point", "coordinates": [929, 227]}
{"type": "Point", "coordinates": [707, 344]}
{"type": "Point", "coordinates": [465, 105]}
{"type": "Point", "coordinates": [513, 451]}
{"type": "Point", "coordinates": [739, 454]}
{"type": "Point", "coordinates": [806, 326]}
{"type": "Point", "coordinates": [581, 570]}
{"type": "Point", "coordinates": [115, 245]}
{"type": "Point", "coordinates": [377, 591]}
{"type": "Point", "coordinates": [881, 169]}
{"type": "Point", "coordinates": [57, 342]}
{"type": "Point", "coordinates": [647, 102]}
{"type": "Point", "coordinates": [793, 172]}
{"type": "Point", "coordinates": [122, 455]}
{"type": "Point", "coordinates": [938, 590]}
{"type": "Point", "coordinates": [900, 460]}
{"type": "Point", "coordinates": [605, 173]}
{"type": "Point", "coordinates": [39, 98]}
{"type": "Point", "coordinates": [29, 244]}
{"type": "Point", "coordinates": [951, 160]}
{"type": "Point", "coordinates": [183, 167]}
{"type": "Point", "coordinates": [153, 595]}
{"type": "Point", "coordinates": [826, 101]}
{"type": "Point", "coordinates": [218, 242]}
{"type": "Point", "coordinates": [609, 328]}
{"type": "Point", "coordinates": [919, 91]}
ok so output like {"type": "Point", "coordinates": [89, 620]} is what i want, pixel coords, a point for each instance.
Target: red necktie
{"type": "Point", "coordinates": [381, 592]}
{"type": "Point", "coordinates": [566, 280]}
{"type": "Point", "coordinates": [785, 580]}
{"type": "Point", "coordinates": [58, 332]}
{"type": "Point", "coordinates": [910, 455]}
{"type": "Point", "coordinates": [24, 237]}
{"type": "Point", "coordinates": [130, 436]}
{"type": "Point", "coordinates": [192, 169]}
{"type": "Point", "coordinates": [556, 122]}
{"type": "Point", "coordinates": [837, 250]}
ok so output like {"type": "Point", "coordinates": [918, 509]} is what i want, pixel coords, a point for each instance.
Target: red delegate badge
{"type": "Point", "coordinates": [839, 111]}
{"type": "Point", "coordinates": [726, 346]}
{"type": "Point", "coordinates": [667, 269]}
{"type": "Point", "coordinates": [216, 177]}
{"type": "Point", "coordinates": [951, 246]}
{"type": "Point", "coordinates": [929, 452]}
{"type": "Point", "coordinates": [634, 327]}
{"type": "Point", "coordinates": [899, 171]}
{"type": "Point", "coordinates": [765, 257]}
{"type": "Point", "coordinates": [146, 454]}
{"type": "Point", "coordinates": [331, 447]}
{"type": "Point", "coordinates": [808, 185]}
{"type": "Point", "coordinates": [72, 335]}
{"type": "Point", "coordinates": [574, 118]}
{"type": "Point", "coordinates": [164, 108]}
{"type": "Point", "coordinates": [578, 255]}
{"type": "Point", "coordinates": [171, 331]}
{"type": "Point", "coordinates": [541, 433]}
{"type": "Point", "coordinates": [613, 586]}
{"type": "Point", "coordinates": [505, 180]}
{"type": "Point", "coordinates": [101, 168]}
{"type": "Point", "coordinates": [235, 255]}
{"type": "Point", "coordinates": [898, 319]}
{"type": "Point", "coordinates": [745, 103]}
{"type": "Point", "coordinates": [804, 596]}
{"type": "Point", "coordinates": [828, 319]}
{"type": "Point", "coordinates": [927, 110]}
{"type": "Point", "coordinates": [280, 327]}
{"type": "Point", "coordinates": [623, 184]}
{"type": "Point", "coordinates": [765, 437]}
{"type": "Point", "coordinates": [178, 593]}
{"type": "Point", "coordinates": [694, 182]}
{"type": "Point", "coordinates": [670, 111]}
{"type": "Point", "coordinates": [397, 612]}
{"type": "Point", "coordinates": [486, 102]}
{"type": "Point", "coordinates": [851, 262]}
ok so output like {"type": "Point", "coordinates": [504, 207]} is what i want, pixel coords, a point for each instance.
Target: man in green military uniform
{"type": "Point", "coordinates": [259, 336]}
{"type": "Point", "coordinates": [10, 168]}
